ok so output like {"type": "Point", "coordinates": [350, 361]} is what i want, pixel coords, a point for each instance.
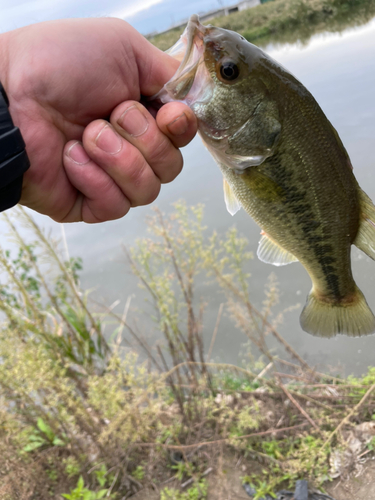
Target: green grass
{"type": "Point", "coordinates": [284, 21]}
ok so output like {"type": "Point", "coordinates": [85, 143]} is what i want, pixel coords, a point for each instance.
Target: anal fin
{"type": "Point", "coordinates": [271, 253]}
{"type": "Point", "coordinates": [233, 205]}
{"type": "Point", "coordinates": [365, 239]}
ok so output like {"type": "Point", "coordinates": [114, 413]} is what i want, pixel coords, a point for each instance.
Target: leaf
{"type": "Point", "coordinates": [46, 429]}
{"type": "Point", "coordinates": [58, 442]}
{"type": "Point", "coordinates": [37, 437]}
{"type": "Point", "coordinates": [33, 446]}
{"type": "Point", "coordinates": [101, 493]}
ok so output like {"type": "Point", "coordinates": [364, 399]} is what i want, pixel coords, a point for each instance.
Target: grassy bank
{"type": "Point", "coordinates": [287, 20]}
{"type": "Point", "coordinates": [83, 418]}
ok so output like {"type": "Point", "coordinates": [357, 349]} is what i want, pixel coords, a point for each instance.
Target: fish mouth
{"type": "Point", "coordinates": [191, 83]}
{"type": "Point", "coordinates": [190, 41]}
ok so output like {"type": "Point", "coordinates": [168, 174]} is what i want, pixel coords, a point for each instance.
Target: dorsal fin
{"type": "Point", "coordinates": [271, 253]}
{"type": "Point", "coordinates": [365, 239]}
{"type": "Point", "coordinates": [233, 205]}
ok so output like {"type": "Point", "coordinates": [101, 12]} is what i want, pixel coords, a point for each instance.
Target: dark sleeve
{"type": "Point", "coordinates": [13, 158]}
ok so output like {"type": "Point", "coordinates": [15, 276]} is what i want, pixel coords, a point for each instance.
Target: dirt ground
{"type": "Point", "coordinates": [361, 487]}
{"type": "Point", "coordinates": [228, 485]}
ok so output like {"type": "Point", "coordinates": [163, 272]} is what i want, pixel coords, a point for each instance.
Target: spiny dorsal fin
{"type": "Point", "coordinates": [271, 253]}
{"type": "Point", "coordinates": [233, 205]}
{"type": "Point", "coordinates": [365, 239]}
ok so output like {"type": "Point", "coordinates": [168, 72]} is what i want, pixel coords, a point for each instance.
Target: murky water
{"type": "Point", "coordinates": [339, 70]}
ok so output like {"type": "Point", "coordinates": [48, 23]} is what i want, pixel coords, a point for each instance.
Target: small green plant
{"type": "Point", "coordinates": [371, 444]}
{"type": "Point", "coordinates": [101, 475]}
{"type": "Point", "coordinates": [72, 466]}
{"type": "Point", "coordinates": [272, 449]}
{"type": "Point", "coordinates": [139, 473]}
{"type": "Point", "coordinates": [196, 492]}
{"type": "Point", "coordinates": [43, 436]}
{"type": "Point", "coordinates": [262, 488]}
{"type": "Point", "coordinates": [82, 493]}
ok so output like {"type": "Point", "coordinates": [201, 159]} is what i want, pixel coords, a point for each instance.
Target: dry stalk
{"type": "Point", "coordinates": [311, 400]}
{"type": "Point", "coordinates": [61, 266]}
{"type": "Point", "coordinates": [215, 330]}
{"type": "Point", "coordinates": [346, 419]}
{"type": "Point", "coordinates": [257, 313]}
{"type": "Point", "coordinates": [38, 272]}
{"type": "Point", "coordinates": [264, 371]}
{"type": "Point", "coordinates": [215, 365]}
{"type": "Point", "coordinates": [223, 440]}
{"type": "Point", "coordinates": [297, 405]}
{"type": "Point", "coordinates": [191, 480]}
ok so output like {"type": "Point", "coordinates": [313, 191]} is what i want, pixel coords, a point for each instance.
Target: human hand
{"type": "Point", "coordinates": [62, 78]}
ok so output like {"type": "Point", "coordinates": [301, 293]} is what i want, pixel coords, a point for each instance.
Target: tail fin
{"type": "Point", "coordinates": [326, 319]}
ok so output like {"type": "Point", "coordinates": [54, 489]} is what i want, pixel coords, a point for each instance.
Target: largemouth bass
{"type": "Point", "coordinates": [284, 163]}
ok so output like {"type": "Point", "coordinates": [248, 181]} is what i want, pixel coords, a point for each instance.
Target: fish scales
{"type": "Point", "coordinates": [284, 163]}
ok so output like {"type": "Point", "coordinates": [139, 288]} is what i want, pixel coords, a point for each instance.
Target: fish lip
{"type": "Point", "coordinates": [195, 31]}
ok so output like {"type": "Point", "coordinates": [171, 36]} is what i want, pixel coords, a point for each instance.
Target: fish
{"type": "Point", "coordinates": [282, 162]}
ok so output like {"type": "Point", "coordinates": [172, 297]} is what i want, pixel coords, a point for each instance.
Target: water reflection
{"type": "Point", "coordinates": [339, 70]}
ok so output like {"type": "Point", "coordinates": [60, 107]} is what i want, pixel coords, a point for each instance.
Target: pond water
{"type": "Point", "coordinates": [339, 70]}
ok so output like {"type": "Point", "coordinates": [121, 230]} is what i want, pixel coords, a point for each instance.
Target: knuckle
{"type": "Point", "coordinates": [149, 195]}
{"type": "Point", "coordinates": [161, 151]}
{"type": "Point", "coordinates": [136, 167]}
{"type": "Point", "coordinates": [95, 215]}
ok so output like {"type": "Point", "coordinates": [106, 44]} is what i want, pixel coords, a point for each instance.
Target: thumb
{"type": "Point", "coordinates": [155, 67]}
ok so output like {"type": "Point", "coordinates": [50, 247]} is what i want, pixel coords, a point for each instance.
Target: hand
{"type": "Point", "coordinates": [62, 79]}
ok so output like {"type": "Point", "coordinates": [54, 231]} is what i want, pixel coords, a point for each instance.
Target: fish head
{"type": "Point", "coordinates": [224, 80]}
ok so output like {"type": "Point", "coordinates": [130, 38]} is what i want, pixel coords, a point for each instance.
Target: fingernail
{"type": "Point", "coordinates": [78, 154]}
{"type": "Point", "coordinates": [133, 121]}
{"type": "Point", "coordinates": [178, 126]}
{"type": "Point", "coordinates": [108, 141]}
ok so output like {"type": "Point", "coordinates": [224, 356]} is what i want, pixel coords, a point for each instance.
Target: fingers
{"type": "Point", "coordinates": [178, 123]}
{"type": "Point", "coordinates": [123, 163]}
{"type": "Point", "coordinates": [159, 147]}
{"type": "Point", "coordinates": [100, 199]}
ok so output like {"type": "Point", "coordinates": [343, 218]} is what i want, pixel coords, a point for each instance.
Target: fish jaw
{"type": "Point", "coordinates": [191, 83]}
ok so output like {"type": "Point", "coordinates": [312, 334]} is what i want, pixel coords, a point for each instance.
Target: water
{"type": "Point", "coordinates": [339, 70]}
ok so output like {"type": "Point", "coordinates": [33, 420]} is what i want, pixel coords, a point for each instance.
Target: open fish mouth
{"type": "Point", "coordinates": [194, 85]}
{"type": "Point", "coordinates": [191, 83]}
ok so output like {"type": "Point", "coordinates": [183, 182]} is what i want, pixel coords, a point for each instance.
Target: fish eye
{"type": "Point", "coordinates": [229, 71]}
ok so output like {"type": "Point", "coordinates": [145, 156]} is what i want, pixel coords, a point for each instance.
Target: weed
{"type": "Point", "coordinates": [139, 472]}
{"type": "Point", "coordinates": [196, 492]}
{"type": "Point", "coordinates": [72, 466]}
{"type": "Point", "coordinates": [43, 436]}
{"type": "Point", "coordinates": [82, 416]}
{"type": "Point", "coordinates": [82, 493]}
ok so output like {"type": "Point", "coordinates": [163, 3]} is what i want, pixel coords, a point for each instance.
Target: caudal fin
{"type": "Point", "coordinates": [326, 319]}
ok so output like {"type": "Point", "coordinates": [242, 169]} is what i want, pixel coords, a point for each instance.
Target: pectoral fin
{"type": "Point", "coordinates": [365, 239]}
{"type": "Point", "coordinates": [271, 253]}
{"type": "Point", "coordinates": [233, 205]}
